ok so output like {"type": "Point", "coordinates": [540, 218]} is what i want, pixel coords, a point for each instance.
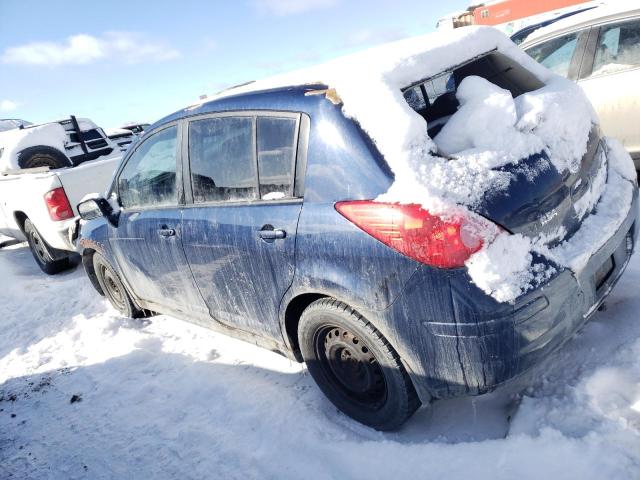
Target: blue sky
{"type": "Point", "coordinates": [120, 61]}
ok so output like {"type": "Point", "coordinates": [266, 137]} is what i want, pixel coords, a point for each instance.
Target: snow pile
{"type": "Point", "coordinates": [85, 393]}
{"type": "Point", "coordinates": [491, 129]}
{"type": "Point", "coordinates": [485, 120]}
{"type": "Point", "coordinates": [505, 268]}
{"type": "Point", "coordinates": [16, 140]}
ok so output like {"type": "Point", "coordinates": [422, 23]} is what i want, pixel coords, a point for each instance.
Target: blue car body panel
{"type": "Point", "coordinates": [453, 338]}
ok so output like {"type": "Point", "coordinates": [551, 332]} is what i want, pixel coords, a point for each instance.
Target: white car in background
{"type": "Point", "coordinates": [599, 49]}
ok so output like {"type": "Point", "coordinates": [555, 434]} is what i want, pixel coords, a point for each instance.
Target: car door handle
{"type": "Point", "coordinates": [166, 232]}
{"type": "Point", "coordinates": [271, 233]}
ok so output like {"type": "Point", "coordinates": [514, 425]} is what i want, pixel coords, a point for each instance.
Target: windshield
{"type": "Point", "coordinates": [11, 123]}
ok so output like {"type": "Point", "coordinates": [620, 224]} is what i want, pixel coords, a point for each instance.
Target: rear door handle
{"type": "Point", "coordinates": [271, 233]}
{"type": "Point", "coordinates": [166, 232]}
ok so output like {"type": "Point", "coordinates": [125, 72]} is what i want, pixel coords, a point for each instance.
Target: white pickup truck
{"type": "Point", "coordinates": [39, 205]}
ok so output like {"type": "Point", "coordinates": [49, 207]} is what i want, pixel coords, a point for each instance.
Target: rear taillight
{"type": "Point", "coordinates": [416, 233]}
{"type": "Point", "coordinates": [58, 204]}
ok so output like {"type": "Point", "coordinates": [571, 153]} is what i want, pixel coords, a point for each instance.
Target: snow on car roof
{"type": "Point", "coordinates": [492, 129]}
{"type": "Point", "coordinates": [601, 13]}
{"type": "Point", "coordinates": [371, 81]}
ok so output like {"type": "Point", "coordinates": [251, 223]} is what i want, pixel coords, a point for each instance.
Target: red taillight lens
{"type": "Point", "coordinates": [58, 204]}
{"type": "Point", "coordinates": [416, 233]}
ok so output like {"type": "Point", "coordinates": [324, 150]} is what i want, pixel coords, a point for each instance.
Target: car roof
{"type": "Point", "coordinates": [288, 98]}
{"type": "Point", "coordinates": [529, 29]}
{"type": "Point", "coordinates": [595, 16]}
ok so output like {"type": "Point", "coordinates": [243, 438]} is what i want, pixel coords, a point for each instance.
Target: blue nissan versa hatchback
{"type": "Point", "coordinates": [242, 215]}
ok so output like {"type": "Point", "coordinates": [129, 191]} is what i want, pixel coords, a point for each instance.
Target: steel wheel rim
{"type": "Point", "coordinates": [113, 290]}
{"type": "Point", "coordinates": [38, 247]}
{"type": "Point", "coordinates": [39, 161]}
{"type": "Point", "coordinates": [347, 360]}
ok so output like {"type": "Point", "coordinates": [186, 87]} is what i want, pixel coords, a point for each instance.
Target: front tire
{"type": "Point", "coordinates": [113, 287]}
{"type": "Point", "coordinates": [355, 366]}
{"type": "Point", "coordinates": [42, 252]}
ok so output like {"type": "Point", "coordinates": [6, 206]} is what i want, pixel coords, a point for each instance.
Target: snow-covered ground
{"type": "Point", "coordinates": [85, 393]}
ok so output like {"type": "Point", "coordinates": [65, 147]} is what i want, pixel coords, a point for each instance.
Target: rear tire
{"type": "Point", "coordinates": [355, 366]}
{"type": "Point", "coordinates": [42, 252]}
{"type": "Point", "coordinates": [113, 287]}
{"type": "Point", "coordinates": [42, 156]}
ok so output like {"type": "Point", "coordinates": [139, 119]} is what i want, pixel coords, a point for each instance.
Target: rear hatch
{"type": "Point", "coordinates": [540, 201]}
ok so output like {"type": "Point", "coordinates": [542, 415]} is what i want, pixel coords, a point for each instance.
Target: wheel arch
{"type": "Point", "coordinates": [292, 315]}
{"type": "Point", "coordinates": [20, 218]}
{"type": "Point", "coordinates": [28, 152]}
{"type": "Point", "coordinates": [87, 263]}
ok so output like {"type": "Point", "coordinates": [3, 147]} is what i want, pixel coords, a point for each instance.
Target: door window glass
{"type": "Point", "coordinates": [618, 48]}
{"type": "Point", "coordinates": [149, 177]}
{"type": "Point", "coordinates": [555, 54]}
{"type": "Point", "coordinates": [276, 156]}
{"type": "Point", "coordinates": [222, 158]}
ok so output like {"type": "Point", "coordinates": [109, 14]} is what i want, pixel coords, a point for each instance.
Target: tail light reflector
{"type": "Point", "coordinates": [415, 232]}
{"type": "Point", "coordinates": [58, 204]}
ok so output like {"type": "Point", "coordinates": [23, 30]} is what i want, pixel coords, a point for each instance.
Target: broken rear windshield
{"type": "Point", "coordinates": [435, 98]}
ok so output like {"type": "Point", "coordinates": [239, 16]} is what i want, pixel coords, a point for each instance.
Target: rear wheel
{"type": "Point", "coordinates": [113, 287]}
{"type": "Point", "coordinates": [355, 366]}
{"type": "Point", "coordinates": [42, 156]}
{"type": "Point", "coordinates": [42, 252]}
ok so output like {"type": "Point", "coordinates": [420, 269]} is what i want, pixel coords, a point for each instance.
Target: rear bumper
{"type": "Point", "coordinates": [457, 341]}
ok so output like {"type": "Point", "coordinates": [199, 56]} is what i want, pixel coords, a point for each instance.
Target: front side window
{"type": "Point", "coordinates": [556, 54]}
{"type": "Point", "coordinates": [618, 48]}
{"type": "Point", "coordinates": [222, 157]}
{"type": "Point", "coordinates": [149, 177]}
{"type": "Point", "coordinates": [276, 156]}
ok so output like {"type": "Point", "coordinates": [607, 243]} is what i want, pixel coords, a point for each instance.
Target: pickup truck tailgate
{"type": "Point", "coordinates": [90, 177]}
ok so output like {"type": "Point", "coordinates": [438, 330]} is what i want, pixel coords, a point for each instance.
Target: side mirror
{"type": "Point", "coordinates": [94, 208]}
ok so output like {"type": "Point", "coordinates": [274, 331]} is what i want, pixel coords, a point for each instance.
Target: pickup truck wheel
{"type": "Point", "coordinates": [42, 156]}
{"type": "Point", "coordinates": [42, 251]}
{"type": "Point", "coordinates": [355, 366]}
{"type": "Point", "coordinates": [113, 287]}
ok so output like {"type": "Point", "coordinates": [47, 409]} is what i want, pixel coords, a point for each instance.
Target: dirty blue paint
{"type": "Point", "coordinates": [453, 338]}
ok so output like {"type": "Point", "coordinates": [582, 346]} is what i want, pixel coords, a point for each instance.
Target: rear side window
{"type": "Point", "coordinates": [149, 177]}
{"type": "Point", "coordinates": [276, 156]}
{"type": "Point", "coordinates": [222, 156]}
{"type": "Point", "coordinates": [242, 158]}
{"type": "Point", "coordinates": [556, 54]}
{"type": "Point", "coordinates": [618, 48]}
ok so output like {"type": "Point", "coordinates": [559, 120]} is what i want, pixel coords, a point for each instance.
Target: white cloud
{"type": "Point", "coordinates": [7, 105]}
{"type": "Point", "coordinates": [292, 7]}
{"type": "Point", "coordinates": [83, 49]}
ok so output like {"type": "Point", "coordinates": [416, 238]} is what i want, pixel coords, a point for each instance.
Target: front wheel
{"type": "Point", "coordinates": [113, 287]}
{"type": "Point", "coordinates": [355, 366]}
{"type": "Point", "coordinates": [42, 252]}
